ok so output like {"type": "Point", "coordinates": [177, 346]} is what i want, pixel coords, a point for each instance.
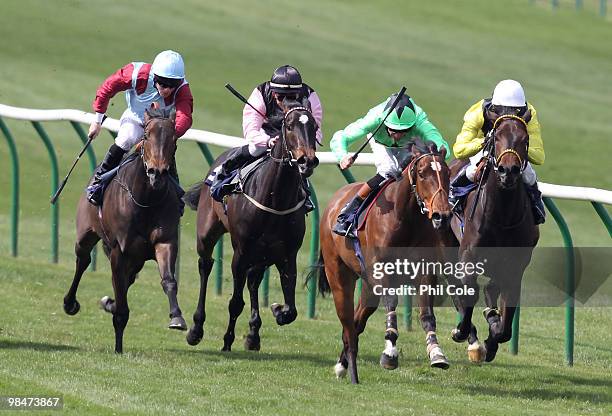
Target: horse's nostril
{"type": "Point", "coordinates": [301, 160]}
{"type": "Point", "coordinates": [315, 162]}
{"type": "Point", "coordinates": [501, 170]}
{"type": "Point", "coordinates": [151, 172]}
{"type": "Point", "coordinates": [515, 170]}
{"type": "Point", "coordinates": [436, 216]}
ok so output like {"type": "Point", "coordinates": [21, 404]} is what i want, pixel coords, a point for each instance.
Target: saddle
{"type": "Point", "coordinates": [106, 179]}
{"type": "Point", "coordinates": [99, 189]}
{"type": "Point", "coordinates": [363, 211]}
{"type": "Point", "coordinates": [234, 182]}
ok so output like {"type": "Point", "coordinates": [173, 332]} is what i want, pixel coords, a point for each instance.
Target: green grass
{"type": "Point", "coordinates": [45, 351]}
{"type": "Point", "coordinates": [55, 54]}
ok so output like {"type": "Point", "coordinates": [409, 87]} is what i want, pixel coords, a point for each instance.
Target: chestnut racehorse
{"type": "Point", "coordinates": [395, 220]}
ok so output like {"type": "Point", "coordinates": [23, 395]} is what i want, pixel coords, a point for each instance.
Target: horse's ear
{"type": "Point", "coordinates": [172, 115]}
{"type": "Point", "coordinates": [147, 116]}
{"type": "Point", "coordinates": [527, 116]}
{"type": "Point", "coordinates": [414, 149]}
{"type": "Point", "coordinates": [443, 152]}
{"type": "Point", "coordinates": [306, 103]}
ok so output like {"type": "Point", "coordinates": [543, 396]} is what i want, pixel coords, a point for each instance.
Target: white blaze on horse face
{"type": "Point", "coordinates": [303, 119]}
{"type": "Point", "coordinates": [435, 165]}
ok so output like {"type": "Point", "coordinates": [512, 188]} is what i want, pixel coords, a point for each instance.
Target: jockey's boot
{"type": "Point", "coordinates": [177, 186]}
{"type": "Point", "coordinates": [537, 205]}
{"type": "Point", "coordinates": [111, 160]}
{"type": "Point", "coordinates": [308, 204]}
{"type": "Point", "coordinates": [236, 159]}
{"type": "Point", "coordinates": [461, 180]}
{"type": "Point", "coordinates": [344, 226]}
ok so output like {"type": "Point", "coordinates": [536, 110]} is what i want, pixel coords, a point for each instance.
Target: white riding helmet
{"type": "Point", "coordinates": [509, 93]}
{"type": "Point", "coordinates": [169, 64]}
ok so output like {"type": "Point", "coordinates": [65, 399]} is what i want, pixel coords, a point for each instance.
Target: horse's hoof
{"type": "Point", "coordinates": [476, 352]}
{"type": "Point", "coordinates": [340, 370]}
{"type": "Point", "coordinates": [252, 343]}
{"type": "Point", "coordinates": [106, 303]}
{"type": "Point", "coordinates": [226, 348]}
{"type": "Point", "coordinates": [437, 359]}
{"type": "Point", "coordinates": [72, 309]}
{"type": "Point", "coordinates": [457, 336]}
{"type": "Point", "coordinates": [388, 362]}
{"type": "Point", "coordinates": [194, 336]}
{"type": "Point", "coordinates": [178, 323]}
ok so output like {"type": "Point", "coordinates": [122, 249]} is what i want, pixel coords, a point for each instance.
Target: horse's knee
{"type": "Point", "coordinates": [121, 318]}
{"type": "Point", "coordinates": [235, 305]}
{"type": "Point", "coordinates": [169, 284]}
{"type": "Point", "coordinates": [428, 322]}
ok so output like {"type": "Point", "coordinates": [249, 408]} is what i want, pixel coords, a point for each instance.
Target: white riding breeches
{"type": "Point", "coordinates": [388, 159]}
{"type": "Point", "coordinates": [130, 131]}
{"type": "Point", "coordinates": [529, 174]}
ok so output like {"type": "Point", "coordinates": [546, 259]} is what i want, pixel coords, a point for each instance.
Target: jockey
{"type": "Point", "coordinates": [262, 133]}
{"type": "Point", "coordinates": [508, 98]}
{"type": "Point", "coordinates": [162, 82]}
{"type": "Point", "coordinates": [406, 122]}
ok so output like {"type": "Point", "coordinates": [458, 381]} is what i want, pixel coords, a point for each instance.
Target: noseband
{"type": "Point", "coordinates": [490, 145]}
{"type": "Point", "coordinates": [424, 205]}
{"type": "Point", "coordinates": [287, 156]}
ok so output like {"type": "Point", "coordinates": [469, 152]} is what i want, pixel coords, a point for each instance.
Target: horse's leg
{"type": "Point", "coordinates": [165, 255]}
{"type": "Point", "coordinates": [285, 314]}
{"type": "Point", "coordinates": [121, 313]}
{"type": "Point", "coordinates": [236, 303]}
{"type": "Point", "coordinates": [389, 357]}
{"type": "Point", "coordinates": [208, 234]}
{"type": "Point", "coordinates": [428, 322]}
{"type": "Point", "coordinates": [82, 248]}
{"type": "Point", "coordinates": [503, 331]}
{"type": "Point", "coordinates": [254, 278]}
{"type": "Point", "coordinates": [365, 308]}
{"type": "Point", "coordinates": [342, 283]}
{"type": "Point", "coordinates": [465, 306]}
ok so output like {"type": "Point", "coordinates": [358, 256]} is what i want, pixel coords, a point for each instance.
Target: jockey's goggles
{"type": "Point", "coordinates": [167, 82]}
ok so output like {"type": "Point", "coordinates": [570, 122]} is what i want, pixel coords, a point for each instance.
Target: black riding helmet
{"type": "Point", "coordinates": [286, 79]}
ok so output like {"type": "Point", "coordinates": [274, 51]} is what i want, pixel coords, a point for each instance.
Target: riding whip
{"type": "Point", "coordinates": [397, 99]}
{"type": "Point", "coordinates": [244, 100]}
{"type": "Point", "coordinates": [61, 187]}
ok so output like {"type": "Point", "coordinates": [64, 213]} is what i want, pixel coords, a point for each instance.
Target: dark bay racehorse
{"type": "Point", "coordinates": [395, 220]}
{"type": "Point", "coordinates": [501, 230]}
{"type": "Point", "coordinates": [138, 221]}
{"type": "Point", "coordinates": [266, 223]}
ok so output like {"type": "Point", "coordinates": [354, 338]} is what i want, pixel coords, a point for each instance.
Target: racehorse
{"type": "Point", "coordinates": [395, 220]}
{"type": "Point", "coordinates": [138, 221]}
{"type": "Point", "coordinates": [498, 228]}
{"type": "Point", "coordinates": [266, 221]}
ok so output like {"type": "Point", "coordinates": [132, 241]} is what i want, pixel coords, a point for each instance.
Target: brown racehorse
{"type": "Point", "coordinates": [138, 221]}
{"type": "Point", "coordinates": [502, 219]}
{"type": "Point", "coordinates": [394, 221]}
{"type": "Point", "coordinates": [266, 223]}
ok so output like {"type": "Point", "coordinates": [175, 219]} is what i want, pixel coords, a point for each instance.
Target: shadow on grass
{"type": "Point", "coordinates": [36, 346]}
{"type": "Point", "coordinates": [553, 392]}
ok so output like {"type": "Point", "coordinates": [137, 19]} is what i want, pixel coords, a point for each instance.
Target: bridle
{"type": "Point", "coordinates": [489, 149]}
{"type": "Point", "coordinates": [144, 163]}
{"type": "Point", "coordinates": [425, 206]}
{"type": "Point", "coordinates": [287, 156]}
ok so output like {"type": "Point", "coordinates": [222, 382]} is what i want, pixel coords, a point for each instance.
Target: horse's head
{"type": "Point", "coordinates": [508, 146]}
{"type": "Point", "coordinates": [429, 176]}
{"type": "Point", "coordinates": [299, 135]}
{"type": "Point", "coordinates": [159, 146]}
